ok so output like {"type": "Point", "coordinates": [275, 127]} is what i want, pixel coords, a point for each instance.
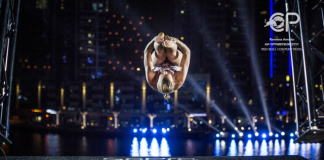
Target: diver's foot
{"type": "Point", "coordinates": [167, 42]}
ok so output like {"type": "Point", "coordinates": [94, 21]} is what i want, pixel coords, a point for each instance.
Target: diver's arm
{"type": "Point", "coordinates": [148, 63]}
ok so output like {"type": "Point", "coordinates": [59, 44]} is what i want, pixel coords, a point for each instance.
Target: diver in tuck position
{"type": "Point", "coordinates": [166, 68]}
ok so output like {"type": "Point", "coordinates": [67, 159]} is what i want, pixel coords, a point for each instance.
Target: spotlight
{"type": "Point", "coordinates": [282, 133]}
{"type": "Point", "coordinates": [270, 134]}
{"type": "Point", "coordinates": [217, 135]}
{"type": "Point", "coordinates": [144, 130]}
{"type": "Point", "coordinates": [222, 133]}
{"type": "Point", "coordinates": [291, 135]}
{"type": "Point", "coordinates": [249, 135]}
{"type": "Point", "coordinates": [154, 131]}
{"type": "Point", "coordinates": [168, 129]}
{"type": "Point", "coordinates": [241, 134]}
{"type": "Point", "coordinates": [276, 135]}
{"type": "Point", "coordinates": [233, 135]}
{"type": "Point", "coordinates": [135, 130]}
{"type": "Point", "coordinates": [163, 130]}
{"type": "Point", "coordinates": [256, 134]}
{"type": "Point", "coordinates": [264, 135]}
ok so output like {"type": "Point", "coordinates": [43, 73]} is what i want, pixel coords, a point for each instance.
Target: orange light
{"type": "Point", "coordinates": [140, 40]}
{"type": "Point", "coordinates": [109, 33]}
{"type": "Point", "coordinates": [130, 62]}
{"type": "Point", "coordinates": [110, 118]}
{"type": "Point", "coordinates": [148, 34]}
{"type": "Point", "coordinates": [124, 68]}
{"type": "Point", "coordinates": [150, 18]}
{"type": "Point", "coordinates": [112, 44]}
{"type": "Point", "coordinates": [118, 45]}
{"type": "Point", "coordinates": [106, 38]}
{"type": "Point", "coordinates": [140, 23]}
{"type": "Point", "coordinates": [130, 39]}
{"type": "Point", "coordinates": [26, 60]}
{"type": "Point", "coordinates": [107, 10]}
{"type": "Point", "coordinates": [49, 67]}
{"type": "Point", "coordinates": [116, 33]}
{"type": "Point", "coordinates": [142, 17]}
{"type": "Point", "coordinates": [114, 68]}
{"type": "Point", "coordinates": [44, 67]}
{"type": "Point", "coordinates": [36, 110]}
{"type": "Point", "coordinates": [261, 118]}
{"type": "Point", "coordinates": [35, 67]}
{"type": "Point", "coordinates": [107, 102]}
{"type": "Point", "coordinates": [64, 107]}
{"type": "Point", "coordinates": [109, 62]}
{"type": "Point", "coordinates": [138, 34]}
{"type": "Point", "coordinates": [134, 28]}
{"type": "Point", "coordinates": [142, 57]}
{"type": "Point", "coordinates": [117, 62]}
{"type": "Point", "coordinates": [122, 39]}
{"type": "Point", "coordinates": [47, 115]}
{"type": "Point", "coordinates": [118, 21]}
{"type": "Point", "coordinates": [124, 28]}
{"type": "Point", "coordinates": [122, 16]}
{"type": "Point", "coordinates": [114, 16]}
{"type": "Point", "coordinates": [132, 68]}
{"type": "Point", "coordinates": [136, 51]}
{"type": "Point", "coordinates": [106, 27]}
{"type": "Point", "coordinates": [130, 22]}
{"type": "Point", "coordinates": [28, 66]}
{"type": "Point", "coordinates": [108, 21]}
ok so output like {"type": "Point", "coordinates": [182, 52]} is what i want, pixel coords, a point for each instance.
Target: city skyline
{"type": "Point", "coordinates": [92, 44]}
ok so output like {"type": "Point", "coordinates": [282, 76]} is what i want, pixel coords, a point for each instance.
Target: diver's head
{"type": "Point", "coordinates": [165, 83]}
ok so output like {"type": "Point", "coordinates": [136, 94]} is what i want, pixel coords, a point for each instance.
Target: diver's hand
{"type": "Point", "coordinates": [159, 38]}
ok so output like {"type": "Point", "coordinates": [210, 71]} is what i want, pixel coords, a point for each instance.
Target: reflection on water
{"type": "Point", "coordinates": [134, 148]}
{"type": "Point", "coordinates": [165, 150]}
{"type": "Point", "coordinates": [52, 144]}
{"type": "Point", "coordinates": [223, 147]}
{"type": "Point", "coordinates": [232, 149]}
{"type": "Point", "coordinates": [248, 149]}
{"type": "Point", "coordinates": [143, 147]}
{"type": "Point", "coordinates": [263, 150]}
{"type": "Point", "coordinates": [256, 148]}
{"type": "Point", "coordinates": [155, 150]}
{"type": "Point", "coordinates": [277, 150]}
{"type": "Point", "coordinates": [36, 144]}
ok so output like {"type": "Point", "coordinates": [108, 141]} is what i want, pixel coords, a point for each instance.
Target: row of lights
{"type": "Point", "coordinates": [35, 67]}
{"type": "Point", "coordinates": [132, 68]}
{"type": "Point", "coordinates": [221, 134]}
{"type": "Point", "coordinates": [122, 16]}
{"type": "Point", "coordinates": [144, 130]}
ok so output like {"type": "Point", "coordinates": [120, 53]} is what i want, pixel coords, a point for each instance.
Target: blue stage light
{"type": "Point", "coordinates": [291, 135]}
{"type": "Point", "coordinates": [135, 130]}
{"type": "Point", "coordinates": [217, 135]}
{"type": "Point", "coordinates": [154, 130]}
{"type": "Point", "coordinates": [270, 134]}
{"type": "Point", "coordinates": [233, 135]}
{"type": "Point", "coordinates": [164, 130]}
{"type": "Point", "coordinates": [249, 135]}
{"type": "Point", "coordinates": [264, 135]}
{"type": "Point", "coordinates": [276, 135]}
{"type": "Point", "coordinates": [144, 130]}
{"type": "Point", "coordinates": [256, 134]}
